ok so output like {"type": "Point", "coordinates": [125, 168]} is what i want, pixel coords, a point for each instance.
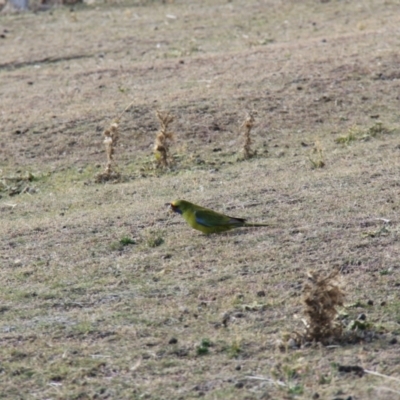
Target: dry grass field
{"type": "Point", "coordinates": [107, 295]}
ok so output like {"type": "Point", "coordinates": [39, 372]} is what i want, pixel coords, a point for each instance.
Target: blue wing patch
{"type": "Point", "coordinates": [201, 220]}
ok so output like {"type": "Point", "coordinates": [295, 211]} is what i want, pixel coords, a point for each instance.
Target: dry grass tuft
{"type": "Point", "coordinates": [322, 296]}
{"type": "Point", "coordinates": [161, 146]}
{"type": "Point", "coordinates": [317, 156]}
{"type": "Point", "coordinates": [248, 124]}
{"type": "Point", "coordinates": [111, 137]}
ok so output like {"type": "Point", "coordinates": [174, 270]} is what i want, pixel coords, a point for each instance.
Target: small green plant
{"type": "Point", "coordinates": [290, 372]}
{"type": "Point", "coordinates": [155, 238]}
{"type": "Point", "coordinates": [203, 348]}
{"type": "Point", "coordinates": [234, 349]}
{"type": "Point", "coordinates": [83, 327]}
{"type": "Point", "coordinates": [324, 380]}
{"type": "Point", "coordinates": [125, 241]}
{"type": "Point", "coordinates": [359, 325]}
{"type": "Point", "coordinates": [26, 373]}
{"type": "Point", "coordinates": [352, 134]}
{"type": "Point", "coordinates": [120, 244]}
{"type": "Point", "coordinates": [383, 231]}
{"type": "Point", "coordinates": [296, 389]}
{"type": "Point", "coordinates": [377, 129]}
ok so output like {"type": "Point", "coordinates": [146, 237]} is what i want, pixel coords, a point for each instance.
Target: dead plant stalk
{"type": "Point", "coordinates": [161, 146]}
{"type": "Point", "coordinates": [248, 125]}
{"type": "Point", "coordinates": [111, 137]}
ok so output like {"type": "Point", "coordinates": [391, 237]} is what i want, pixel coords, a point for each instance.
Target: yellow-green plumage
{"type": "Point", "coordinates": [206, 220]}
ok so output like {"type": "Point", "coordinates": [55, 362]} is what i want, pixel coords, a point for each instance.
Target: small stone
{"type": "Point", "coordinates": [362, 317]}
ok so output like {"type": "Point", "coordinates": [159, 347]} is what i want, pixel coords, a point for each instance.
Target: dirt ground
{"type": "Point", "coordinates": [107, 295]}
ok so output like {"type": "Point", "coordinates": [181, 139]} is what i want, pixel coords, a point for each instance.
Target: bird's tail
{"type": "Point", "coordinates": [253, 225]}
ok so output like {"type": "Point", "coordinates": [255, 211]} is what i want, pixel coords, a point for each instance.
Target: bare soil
{"type": "Point", "coordinates": [105, 294]}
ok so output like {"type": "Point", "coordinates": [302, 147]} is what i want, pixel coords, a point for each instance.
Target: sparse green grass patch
{"type": "Point", "coordinates": [154, 238]}
{"type": "Point", "coordinates": [358, 133]}
{"type": "Point", "coordinates": [121, 244]}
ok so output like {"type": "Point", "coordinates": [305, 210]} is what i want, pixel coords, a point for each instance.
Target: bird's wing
{"type": "Point", "coordinates": [211, 218]}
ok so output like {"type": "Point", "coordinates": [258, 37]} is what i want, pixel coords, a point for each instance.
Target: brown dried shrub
{"type": "Point", "coordinates": [322, 296]}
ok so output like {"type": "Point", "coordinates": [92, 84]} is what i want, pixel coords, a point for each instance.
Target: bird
{"type": "Point", "coordinates": [206, 220]}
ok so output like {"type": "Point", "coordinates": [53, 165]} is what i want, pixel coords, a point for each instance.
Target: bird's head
{"type": "Point", "coordinates": [178, 206]}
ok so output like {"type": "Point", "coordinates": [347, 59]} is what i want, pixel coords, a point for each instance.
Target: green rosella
{"type": "Point", "coordinates": [206, 220]}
